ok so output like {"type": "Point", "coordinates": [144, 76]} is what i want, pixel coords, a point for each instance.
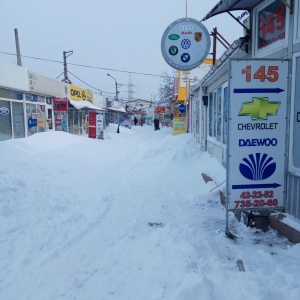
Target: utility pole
{"type": "Point", "coordinates": [117, 85]}
{"type": "Point", "coordinates": [19, 62]}
{"type": "Point", "coordinates": [66, 79]}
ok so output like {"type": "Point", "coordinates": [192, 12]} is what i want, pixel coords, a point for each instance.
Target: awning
{"type": "Point", "coordinates": [230, 5]}
{"type": "Point", "coordinates": [121, 109]}
{"type": "Point", "coordinates": [85, 104]}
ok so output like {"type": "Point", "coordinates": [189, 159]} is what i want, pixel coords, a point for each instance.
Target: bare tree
{"type": "Point", "coordinates": [165, 92]}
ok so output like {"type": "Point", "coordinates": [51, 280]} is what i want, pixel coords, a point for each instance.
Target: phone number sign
{"type": "Point", "coordinates": [257, 134]}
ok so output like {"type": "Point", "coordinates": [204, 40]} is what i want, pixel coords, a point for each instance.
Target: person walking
{"type": "Point", "coordinates": [156, 124]}
{"type": "Point", "coordinates": [135, 120]}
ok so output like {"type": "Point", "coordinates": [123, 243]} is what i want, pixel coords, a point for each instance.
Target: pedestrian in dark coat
{"type": "Point", "coordinates": [135, 120]}
{"type": "Point", "coordinates": [156, 124]}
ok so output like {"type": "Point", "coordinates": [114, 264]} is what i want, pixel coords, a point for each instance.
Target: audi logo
{"type": "Point", "coordinates": [186, 27]}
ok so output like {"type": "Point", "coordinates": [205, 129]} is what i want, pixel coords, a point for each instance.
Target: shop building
{"type": "Point", "coordinates": [13, 85]}
{"type": "Point", "coordinates": [32, 103]}
{"type": "Point", "coordinates": [272, 32]}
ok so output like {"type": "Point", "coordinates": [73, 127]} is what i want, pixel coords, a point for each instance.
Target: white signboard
{"type": "Point", "coordinates": [99, 124]}
{"type": "Point", "coordinates": [185, 44]}
{"type": "Point", "coordinates": [257, 134]}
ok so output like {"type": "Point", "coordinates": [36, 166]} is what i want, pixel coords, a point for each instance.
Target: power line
{"type": "Point", "coordinates": [86, 66]}
{"type": "Point", "coordinates": [89, 84]}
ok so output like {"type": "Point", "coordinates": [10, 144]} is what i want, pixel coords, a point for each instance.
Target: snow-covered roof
{"type": "Point", "coordinates": [85, 104]}
{"type": "Point", "coordinates": [119, 109]}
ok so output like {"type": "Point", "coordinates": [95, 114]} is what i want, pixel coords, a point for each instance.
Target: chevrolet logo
{"type": "Point", "coordinates": [259, 108]}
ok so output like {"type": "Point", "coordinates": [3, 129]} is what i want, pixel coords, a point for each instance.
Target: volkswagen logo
{"type": "Point", "coordinates": [4, 111]}
{"type": "Point", "coordinates": [185, 43]}
{"type": "Point", "coordinates": [186, 27]}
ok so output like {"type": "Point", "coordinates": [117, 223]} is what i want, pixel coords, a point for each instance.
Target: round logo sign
{"type": "Point", "coordinates": [185, 44]}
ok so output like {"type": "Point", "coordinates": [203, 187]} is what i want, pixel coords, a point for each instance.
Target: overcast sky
{"type": "Point", "coordinates": [107, 36]}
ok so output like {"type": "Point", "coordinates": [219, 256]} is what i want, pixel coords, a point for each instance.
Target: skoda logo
{"type": "Point", "coordinates": [173, 50]}
{"type": "Point", "coordinates": [185, 57]}
{"type": "Point", "coordinates": [4, 111]}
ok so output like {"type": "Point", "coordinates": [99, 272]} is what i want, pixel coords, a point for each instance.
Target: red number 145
{"type": "Point", "coordinates": [271, 75]}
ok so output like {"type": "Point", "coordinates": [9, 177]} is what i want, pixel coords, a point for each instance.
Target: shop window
{"type": "Point", "coordinates": [61, 120]}
{"type": "Point", "coordinates": [5, 121]}
{"type": "Point", "coordinates": [210, 125]}
{"type": "Point", "coordinates": [296, 138]}
{"type": "Point", "coordinates": [218, 114]}
{"type": "Point", "coordinates": [225, 116]}
{"type": "Point", "coordinates": [70, 121]}
{"type": "Point", "coordinates": [271, 25]}
{"type": "Point", "coordinates": [215, 114]}
{"type": "Point", "coordinates": [49, 118]}
{"type": "Point", "coordinates": [18, 120]}
{"type": "Point", "coordinates": [297, 16]}
{"type": "Point", "coordinates": [36, 118]}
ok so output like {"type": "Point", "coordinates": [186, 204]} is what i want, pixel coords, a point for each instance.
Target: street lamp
{"type": "Point", "coordinates": [116, 85]}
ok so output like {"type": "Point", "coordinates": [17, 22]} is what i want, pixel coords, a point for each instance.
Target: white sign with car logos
{"type": "Point", "coordinates": [185, 44]}
{"type": "Point", "coordinates": [257, 134]}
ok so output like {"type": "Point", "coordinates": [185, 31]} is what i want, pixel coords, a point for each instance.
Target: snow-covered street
{"type": "Point", "coordinates": [128, 218]}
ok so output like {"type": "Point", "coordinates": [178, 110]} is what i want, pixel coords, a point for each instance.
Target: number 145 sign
{"type": "Point", "coordinates": [257, 133]}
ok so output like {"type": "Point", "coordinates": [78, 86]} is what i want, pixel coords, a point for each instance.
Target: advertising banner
{"type": "Point", "coordinates": [92, 125]}
{"type": "Point", "coordinates": [99, 123]}
{"type": "Point", "coordinates": [60, 104]}
{"type": "Point", "coordinates": [45, 85]}
{"type": "Point", "coordinates": [257, 134]}
{"type": "Point", "coordinates": [178, 126]}
{"type": "Point", "coordinates": [79, 94]}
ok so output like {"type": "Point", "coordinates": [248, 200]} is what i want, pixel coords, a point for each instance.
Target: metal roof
{"type": "Point", "coordinates": [229, 5]}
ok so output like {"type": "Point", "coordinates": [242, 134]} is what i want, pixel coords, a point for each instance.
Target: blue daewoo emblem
{"type": "Point", "coordinates": [185, 43]}
{"type": "Point", "coordinates": [4, 111]}
{"type": "Point", "coordinates": [258, 167]}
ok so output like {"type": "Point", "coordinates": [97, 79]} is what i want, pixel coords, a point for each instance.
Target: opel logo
{"type": "Point", "coordinates": [4, 111]}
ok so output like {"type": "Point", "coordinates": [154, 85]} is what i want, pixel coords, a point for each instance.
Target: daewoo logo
{"type": "Point", "coordinates": [259, 108]}
{"type": "Point", "coordinates": [257, 167]}
{"type": "Point", "coordinates": [4, 111]}
{"type": "Point", "coordinates": [257, 142]}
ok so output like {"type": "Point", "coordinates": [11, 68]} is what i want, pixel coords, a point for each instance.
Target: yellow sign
{"type": "Point", "coordinates": [40, 122]}
{"type": "Point", "coordinates": [178, 126]}
{"type": "Point", "coordinates": [78, 94]}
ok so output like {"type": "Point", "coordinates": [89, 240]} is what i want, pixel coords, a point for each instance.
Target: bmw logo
{"type": "Point", "coordinates": [185, 57]}
{"type": "Point", "coordinates": [173, 50]}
